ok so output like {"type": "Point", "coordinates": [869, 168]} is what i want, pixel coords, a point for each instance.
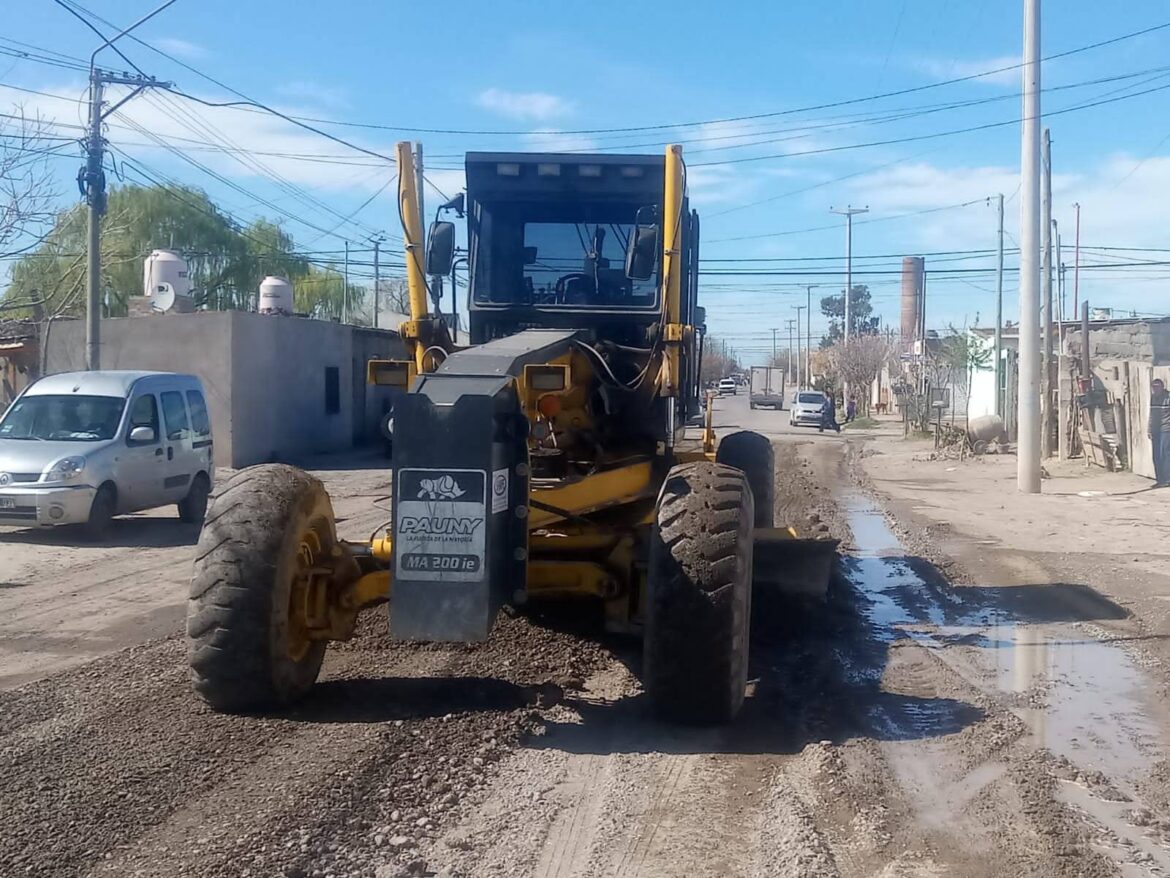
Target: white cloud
{"type": "Point", "coordinates": [182, 48]}
{"type": "Point", "coordinates": [314, 93]}
{"type": "Point", "coordinates": [532, 105]}
{"type": "Point", "coordinates": [949, 68]}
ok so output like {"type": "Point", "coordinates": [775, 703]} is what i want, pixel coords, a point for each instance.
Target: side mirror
{"type": "Point", "coordinates": [142, 435]}
{"type": "Point", "coordinates": [440, 248]}
{"type": "Point", "coordinates": [700, 319]}
{"type": "Point", "coordinates": [642, 252]}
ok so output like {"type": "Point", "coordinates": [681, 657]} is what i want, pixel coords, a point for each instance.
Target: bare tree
{"type": "Point", "coordinates": [27, 191]}
{"type": "Point", "coordinates": [859, 363]}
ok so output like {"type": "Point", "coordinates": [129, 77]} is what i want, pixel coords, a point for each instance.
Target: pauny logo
{"type": "Point", "coordinates": [5, 478]}
{"type": "Point", "coordinates": [443, 488]}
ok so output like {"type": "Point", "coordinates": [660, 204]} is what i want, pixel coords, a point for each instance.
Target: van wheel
{"type": "Point", "coordinates": [101, 513]}
{"type": "Point", "coordinates": [193, 507]}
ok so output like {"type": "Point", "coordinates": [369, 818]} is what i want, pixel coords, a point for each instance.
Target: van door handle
{"type": "Point", "coordinates": [170, 452]}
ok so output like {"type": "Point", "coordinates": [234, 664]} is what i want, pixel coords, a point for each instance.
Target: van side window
{"type": "Point", "coordinates": [144, 413]}
{"type": "Point", "coordinates": [175, 414]}
{"type": "Point", "coordinates": [200, 422]}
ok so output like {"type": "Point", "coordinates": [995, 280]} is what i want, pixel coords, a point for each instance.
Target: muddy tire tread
{"type": "Point", "coordinates": [229, 609]}
{"type": "Point", "coordinates": [753, 454]}
{"type": "Point", "coordinates": [699, 595]}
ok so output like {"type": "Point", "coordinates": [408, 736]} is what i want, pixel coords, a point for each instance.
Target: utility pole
{"type": "Point", "coordinates": [92, 180]}
{"type": "Point", "coordinates": [848, 213]}
{"type": "Point", "coordinates": [419, 181]}
{"type": "Point", "coordinates": [1046, 296]}
{"type": "Point", "coordinates": [345, 291]}
{"type": "Point", "coordinates": [774, 331]}
{"type": "Point", "coordinates": [799, 368]}
{"type": "Point", "coordinates": [377, 241]}
{"type": "Point", "coordinates": [999, 315]}
{"type": "Point", "coordinates": [95, 197]}
{"type": "Point", "coordinates": [808, 329]}
{"type": "Point", "coordinates": [1062, 421]}
{"type": "Point", "coordinates": [1028, 455]}
{"type": "Point", "coordinates": [790, 348]}
{"type": "Point", "coordinates": [1077, 260]}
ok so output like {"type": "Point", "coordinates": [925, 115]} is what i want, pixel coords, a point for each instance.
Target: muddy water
{"type": "Point", "coordinates": [1083, 698]}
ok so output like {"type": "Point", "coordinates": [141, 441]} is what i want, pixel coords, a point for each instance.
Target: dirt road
{"type": "Point", "coordinates": [903, 728]}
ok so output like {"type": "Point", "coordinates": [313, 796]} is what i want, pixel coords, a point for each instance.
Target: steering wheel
{"type": "Point", "coordinates": [563, 282]}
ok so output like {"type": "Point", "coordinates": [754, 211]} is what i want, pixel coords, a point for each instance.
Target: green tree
{"type": "Point", "coordinates": [226, 263]}
{"type": "Point", "coordinates": [861, 319]}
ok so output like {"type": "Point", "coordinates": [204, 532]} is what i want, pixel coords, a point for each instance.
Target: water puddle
{"type": "Point", "coordinates": [1082, 698]}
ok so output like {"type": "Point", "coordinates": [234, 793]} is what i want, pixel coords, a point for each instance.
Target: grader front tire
{"type": "Point", "coordinates": [699, 595]}
{"type": "Point", "coordinates": [249, 648]}
{"type": "Point", "coordinates": [753, 454]}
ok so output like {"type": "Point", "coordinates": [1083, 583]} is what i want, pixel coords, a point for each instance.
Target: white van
{"type": "Point", "coordinates": [82, 447]}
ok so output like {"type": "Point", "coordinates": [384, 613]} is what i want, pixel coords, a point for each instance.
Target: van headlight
{"type": "Point", "coordinates": [66, 469]}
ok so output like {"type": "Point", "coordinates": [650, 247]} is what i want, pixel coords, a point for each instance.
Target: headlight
{"type": "Point", "coordinates": [65, 469]}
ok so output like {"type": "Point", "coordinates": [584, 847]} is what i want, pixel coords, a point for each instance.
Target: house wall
{"type": "Point", "coordinates": [199, 344]}
{"type": "Point", "coordinates": [264, 376]}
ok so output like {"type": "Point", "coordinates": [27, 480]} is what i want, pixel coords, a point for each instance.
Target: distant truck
{"type": "Point", "coordinates": [767, 387]}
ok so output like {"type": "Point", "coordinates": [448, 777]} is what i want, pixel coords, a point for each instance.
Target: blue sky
{"type": "Point", "coordinates": [539, 70]}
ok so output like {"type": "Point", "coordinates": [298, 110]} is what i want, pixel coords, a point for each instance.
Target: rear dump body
{"type": "Point", "coordinates": [767, 386]}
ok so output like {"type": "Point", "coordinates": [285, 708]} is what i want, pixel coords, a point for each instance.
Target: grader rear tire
{"type": "Point", "coordinates": [699, 595]}
{"type": "Point", "coordinates": [248, 644]}
{"type": "Point", "coordinates": [754, 456]}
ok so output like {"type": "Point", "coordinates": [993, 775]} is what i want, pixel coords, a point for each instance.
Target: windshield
{"type": "Point", "coordinates": [63, 418]}
{"type": "Point", "coordinates": [814, 398]}
{"type": "Point", "coordinates": [537, 255]}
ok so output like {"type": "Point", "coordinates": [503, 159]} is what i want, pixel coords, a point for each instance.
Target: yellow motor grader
{"type": "Point", "coordinates": [546, 460]}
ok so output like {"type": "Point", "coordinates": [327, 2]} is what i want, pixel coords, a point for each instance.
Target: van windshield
{"type": "Point", "coordinates": [814, 398]}
{"type": "Point", "coordinates": [63, 418]}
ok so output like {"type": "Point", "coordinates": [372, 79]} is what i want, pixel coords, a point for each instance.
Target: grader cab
{"type": "Point", "coordinates": [547, 460]}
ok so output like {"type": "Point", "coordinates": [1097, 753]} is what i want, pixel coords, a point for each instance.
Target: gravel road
{"type": "Point", "coordinates": [879, 738]}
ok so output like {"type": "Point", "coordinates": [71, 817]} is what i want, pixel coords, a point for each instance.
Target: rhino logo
{"type": "Point", "coordinates": [443, 488]}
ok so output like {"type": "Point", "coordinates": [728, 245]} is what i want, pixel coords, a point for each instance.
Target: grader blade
{"type": "Point", "coordinates": [785, 565]}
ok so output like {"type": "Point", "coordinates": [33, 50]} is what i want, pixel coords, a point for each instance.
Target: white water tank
{"type": "Point", "coordinates": [276, 296]}
{"type": "Point", "coordinates": [163, 269]}
{"type": "Point", "coordinates": [1100, 314]}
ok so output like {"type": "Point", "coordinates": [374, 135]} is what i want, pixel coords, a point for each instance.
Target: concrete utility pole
{"type": "Point", "coordinates": [999, 314]}
{"type": "Point", "coordinates": [799, 368]}
{"type": "Point", "coordinates": [790, 347]}
{"type": "Point", "coordinates": [95, 196]}
{"type": "Point", "coordinates": [1028, 453]}
{"type": "Point", "coordinates": [808, 328]}
{"type": "Point", "coordinates": [92, 179]}
{"type": "Point", "coordinates": [848, 213]}
{"type": "Point", "coordinates": [774, 331]}
{"type": "Point", "coordinates": [1046, 297]}
{"type": "Point", "coordinates": [1077, 260]}
{"type": "Point", "coordinates": [419, 187]}
{"type": "Point", "coordinates": [345, 291]}
{"type": "Point", "coordinates": [377, 277]}
{"type": "Point", "coordinates": [1062, 437]}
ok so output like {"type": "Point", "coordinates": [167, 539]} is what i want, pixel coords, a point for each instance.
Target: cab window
{"type": "Point", "coordinates": [175, 415]}
{"type": "Point", "coordinates": [143, 413]}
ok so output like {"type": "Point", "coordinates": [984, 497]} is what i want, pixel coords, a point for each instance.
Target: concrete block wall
{"type": "Point", "coordinates": [264, 376]}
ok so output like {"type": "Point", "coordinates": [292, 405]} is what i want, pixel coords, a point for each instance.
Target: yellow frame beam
{"type": "Point", "coordinates": [599, 491]}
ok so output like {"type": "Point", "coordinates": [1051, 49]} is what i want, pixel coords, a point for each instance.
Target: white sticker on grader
{"type": "Point", "coordinates": [499, 490]}
{"type": "Point", "coordinates": [441, 516]}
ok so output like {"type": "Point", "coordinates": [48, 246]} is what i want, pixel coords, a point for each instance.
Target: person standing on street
{"type": "Point", "coordinates": [829, 415]}
{"type": "Point", "coordinates": [850, 410]}
{"type": "Point", "coordinates": [1159, 432]}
